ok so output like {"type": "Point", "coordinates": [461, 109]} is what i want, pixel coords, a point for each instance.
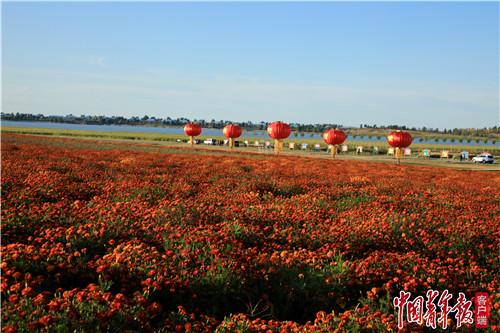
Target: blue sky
{"type": "Point", "coordinates": [418, 64]}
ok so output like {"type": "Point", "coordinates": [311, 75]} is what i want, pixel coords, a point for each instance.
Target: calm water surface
{"type": "Point", "coordinates": [208, 132]}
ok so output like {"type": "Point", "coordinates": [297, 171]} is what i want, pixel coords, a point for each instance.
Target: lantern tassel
{"type": "Point", "coordinates": [334, 150]}
{"type": "Point", "coordinates": [277, 146]}
{"type": "Point", "coordinates": [398, 155]}
{"type": "Point", "coordinates": [231, 143]}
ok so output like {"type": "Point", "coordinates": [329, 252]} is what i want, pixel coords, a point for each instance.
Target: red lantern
{"type": "Point", "coordinates": [232, 132]}
{"type": "Point", "coordinates": [278, 131]}
{"type": "Point", "coordinates": [192, 130]}
{"type": "Point", "coordinates": [398, 140]}
{"type": "Point", "coordinates": [334, 137]}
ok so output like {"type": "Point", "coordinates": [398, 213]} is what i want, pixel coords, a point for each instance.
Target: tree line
{"type": "Point", "coordinates": [219, 124]}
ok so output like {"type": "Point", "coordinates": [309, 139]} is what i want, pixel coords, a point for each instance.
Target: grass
{"type": "Point", "coordinates": [141, 136]}
{"type": "Point", "coordinates": [117, 144]}
{"type": "Point", "coordinates": [93, 134]}
{"type": "Point", "coordinates": [250, 152]}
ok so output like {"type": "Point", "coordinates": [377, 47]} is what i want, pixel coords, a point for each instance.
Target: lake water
{"type": "Point", "coordinates": [208, 132]}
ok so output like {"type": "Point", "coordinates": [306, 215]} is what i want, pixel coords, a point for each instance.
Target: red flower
{"type": "Point", "coordinates": [46, 320]}
{"type": "Point", "coordinates": [9, 329]}
{"type": "Point", "coordinates": [153, 308]}
{"type": "Point", "coordinates": [13, 299]}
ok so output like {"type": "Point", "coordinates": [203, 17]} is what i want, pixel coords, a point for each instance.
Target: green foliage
{"type": "Point", "coordinates": [351, 201]}
{"type": "Point", "coordinates": [229, 325]}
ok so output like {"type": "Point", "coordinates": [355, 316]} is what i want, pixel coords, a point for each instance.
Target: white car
{"type": "Point", "coordinates": [483, 158]}
{"type": "Point", "coordinates": [210, 142]}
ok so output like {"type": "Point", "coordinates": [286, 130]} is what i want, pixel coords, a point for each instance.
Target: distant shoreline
{"type": "Point", "coordinates": [367, 134]}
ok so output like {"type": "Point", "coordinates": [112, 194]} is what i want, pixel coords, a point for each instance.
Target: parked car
{"type": "Point", "coordinates": [210, 142]}
{"type": "Point", "coordinates": [483, 158]}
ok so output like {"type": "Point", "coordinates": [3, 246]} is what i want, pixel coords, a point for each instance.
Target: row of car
{"type": "Point", "coordinates": [482, 158]}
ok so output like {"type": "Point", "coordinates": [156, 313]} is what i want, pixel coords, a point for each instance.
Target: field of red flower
{"type": "Point", "coordinates": [129, 240]}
